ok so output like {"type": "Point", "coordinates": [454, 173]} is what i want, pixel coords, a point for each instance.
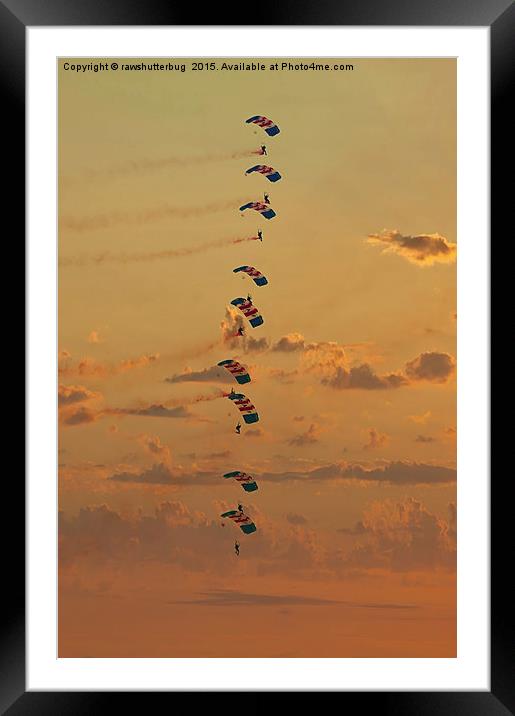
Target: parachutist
{"type": "Point", "coordinates": [237, 548]}
{"type": "Point", "coordinates": [263, 150]}
{"type": "Point", "coordinates": [260, 235]}
{"type": "Point", "coordinates": [266, 198]}
{"type": "Point", "coordinates": [240, 508]}
{"type": "Point", "coordinates": [238, 428]}
{"type": "Point", "coordinates": [241, 331]}
{"type": "Point", "coordinates": [249, 297]}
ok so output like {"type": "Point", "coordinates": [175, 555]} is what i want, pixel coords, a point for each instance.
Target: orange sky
{"type": "Point", "coordinates": [353, 372]}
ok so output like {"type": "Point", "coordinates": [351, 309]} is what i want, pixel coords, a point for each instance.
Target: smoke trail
{"type": "Point", "coordinates": [146, 164]}
{"type": "Point", "coordinates": [139, 257]}
{"type": "Point", "coordinates": [202, 398]}
{"type": "Point", "coordinates": [157, 213]}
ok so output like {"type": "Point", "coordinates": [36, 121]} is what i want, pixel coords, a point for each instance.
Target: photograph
{"type": "Point", "coordinates": [257, 357]}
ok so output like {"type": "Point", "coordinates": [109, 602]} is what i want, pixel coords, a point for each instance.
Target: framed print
{"type": "Point", "coordinates": [258, 313]}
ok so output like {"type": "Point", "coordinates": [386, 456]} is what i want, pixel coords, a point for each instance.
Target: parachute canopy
{"type": "Point", "coordinates": [268, 172]}
{"type": "Point", "coordinates": [245, 407]}
{"type": "Point", "coordinates": [264, 209]}
{"type": "Point", "coordinates": [249, 311]}
{"type": "Point", "coordinates": [241, 520]}
{"type": "Point", "coordinates": [270, 127]}
{"type": "Point", "coordinates": [254, 274]}
{"type": "Point", "coordinates": [236, 370]}
{"type": "Point", "coordinates": [246, 481]}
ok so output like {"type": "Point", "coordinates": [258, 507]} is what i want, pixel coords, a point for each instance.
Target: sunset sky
{"type": "Point", "coordinates": [353, 372]}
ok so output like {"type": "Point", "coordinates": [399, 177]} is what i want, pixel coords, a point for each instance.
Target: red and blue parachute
{"type": "Point", "coordinates": [269, 172]}
{"type": "Point", "coordinates": [246, 481]}
{"type": "Point", "coordinates": [249, 311]}
{"type": "Point", "coordinates": [241, 520]}
{"type": "Point", "coordinates": [245, 407]}
{"type": "Point", "coordinates": [264, 209]}
{"type": "Point", "coordinates": [236, 370]}
{"type": "Point", "coordinates": [270, 127]}
{"type": "Point", "coordinates": [254, 274]}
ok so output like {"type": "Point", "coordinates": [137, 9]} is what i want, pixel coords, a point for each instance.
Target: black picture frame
{"type": "Point", "coordinates": [15, 17]}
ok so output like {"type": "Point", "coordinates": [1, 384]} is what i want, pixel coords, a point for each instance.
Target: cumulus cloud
{"type": "Point", "coordinates": [158, 474]}
{"type": "Point", "coordinates": [176, 535]}
{"type": "Point", "coordinates": [81, 416]}
{"type": "Point", "coordinates": [422, 249]}
{"type": "Point", "coordinates": [290, 343]}
{"type": "Point", "coordinates": [231, 324]}
{"type": "Point", "coordinates": [91, 367]}
{"type": "Point", "coordinates": [94, 337]}
{"type": "Point", "coordinates": [152, 445]}
{"type": "Point", "coordinates": [363, 377]}
{"type": "Point", "coordinates": [70, 394]}
{"type": "Point", "coordinates": [403, 536]}
{"type": "Point", "coordinates": [431, 366]}
{"type": "Point", "coordinates": [375, 439]}
{"type": "Point", "coordinates": [309, 437]}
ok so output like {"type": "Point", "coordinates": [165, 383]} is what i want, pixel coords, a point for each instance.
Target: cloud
{"type": "Point", "coordinates": [290, 343]}
{"type": "Point", "coordinates": [431, 366]}
{"type": "Point", "coordinates": [388, 473]}
{"type": "Point", "coordinates": [424, 439]}
{"type": "Point", "coordinates": [218, 455]}
{"type": "Point", "coordinates": [375, 439]}
{"type": "Point", "coordinates": [404, 536]}
{"type": "Point", "coordinates": [358, 529]}
{"type": "Point", "coordinates": [362, 377]}
{"type": "Point", "coordinates": [283, 376]}
{"type": "Point", "coordinates": [391, 473]}
{"type": "Point", "coordinates": [255, 345]}
{"type": "Point", "coordinates": [309, 437]}
{"type": "Point", "coordinates": [230, 598]}
{"type": "Point", "coordinates": [152, 445]}
{"type": "Point", "coordinates": [157, 410]}
{"type": "Point", "coordinates": [94, 337]}
{"type": "Point", "coordinates": [295, 519]}
{"type": "Point", "coordinates": [254, 433]}
{"type": "Point", "coordinates": [81, 416]}
{"type": "Point", "coordinates": [215, 374]}
{"type": "Point", "coordinates": [401, 536]}
{"type": "Point", "coordinates": [158, 474]}
{"type": "Point", "coordinates": [91, 367]}
{"type": "Point", "coordinates": [176, 535]}
{"type": "Point", "coordinates": [423, 249]}
{"type": "Point", "coordinates": [70, 394]}
{"type": "Point", "coordinates": [232, 322]}
{"type": "Point", "coordinates": [420, 419]}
